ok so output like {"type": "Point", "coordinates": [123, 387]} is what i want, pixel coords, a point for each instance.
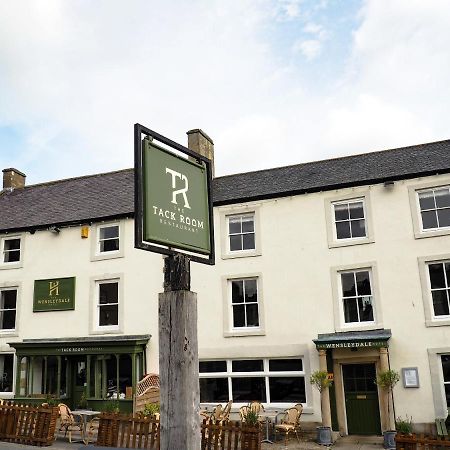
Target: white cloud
{"type": "Point", "coordinates": [310, 48]}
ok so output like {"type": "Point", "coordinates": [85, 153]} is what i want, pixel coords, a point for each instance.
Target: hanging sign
{"type": "Point", "coordinates": [173, 206]}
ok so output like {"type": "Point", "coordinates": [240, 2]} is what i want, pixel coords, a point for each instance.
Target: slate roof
{"type": "Point", "coordinates": [111, 195]}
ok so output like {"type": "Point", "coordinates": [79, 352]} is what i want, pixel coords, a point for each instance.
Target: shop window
{"type": "Point", "coordinates": [125, 380]}
{"type": "Point", "coordinates": [241, 232]}
{"type": "Point", "coordinates": [8, 304]}
{"type": "Point", "coordinates": [108, 303]}
{"type": "Point", "coordinates": [439, 276]}
{"type": "Point", "coordinates": [434, 207]}
{"type": "Point", "coordinates": [356, 296]}
{"type": "Point", "coordinates": [111, 376]}
{"type": "Point", "coordinates": [11, 250]}
{"type": "Point", "coordinates": [108, 238]}
{"type": "Point", "coordinates": [244, 303]}
{"type": "Point", "coordinates": [349, 219]}
{"type": "Point", "coordinates": [6, 372]}
{"type": "Point", "coordinates": [273, 381]}
{"type": "Point", "coordinates": [446, 375]}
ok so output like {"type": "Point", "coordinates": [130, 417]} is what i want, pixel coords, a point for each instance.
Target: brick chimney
{"type": "Point", "coordinates": [13, 179]}
{"type": "Point", "coordinates": [200, 142]}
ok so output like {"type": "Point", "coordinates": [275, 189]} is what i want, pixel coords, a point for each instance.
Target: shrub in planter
{"type": "Point", "coordinates": [251, 436]}
{"type": "Point", "coordinates": [319, 379]}
{"type": "Point", "coordinates": [151, 409]}
{"type": "Point", "coordinates": [404, 426]}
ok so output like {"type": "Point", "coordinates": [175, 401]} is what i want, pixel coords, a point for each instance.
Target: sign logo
{"type": "Point", "coordinates": [53, 288]}
{"type": "Point", "coordinates": [182, 191]}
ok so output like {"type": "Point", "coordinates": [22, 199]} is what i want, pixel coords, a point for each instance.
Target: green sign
{"type": "Point", "coordinates": [56, 294]}
{"type": "Point", "coordinates": [361, 344]}
{"type": "Point", "coordinates": [176, 211]}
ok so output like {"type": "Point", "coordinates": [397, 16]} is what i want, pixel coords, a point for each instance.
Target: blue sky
{"type": "Point", "coordinates": [273, 82]}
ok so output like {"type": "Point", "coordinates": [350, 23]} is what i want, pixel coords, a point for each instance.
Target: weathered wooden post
{"type": "Point", "coordinates": [173, 212]}
{"type": "Point", "coordinates": [178, 359]}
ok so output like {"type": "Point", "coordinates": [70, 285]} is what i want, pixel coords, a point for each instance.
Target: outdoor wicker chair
{"type": "Point", "coordinates": [289, 423]}
{"type": "Point", "coordinates": [68, 423]}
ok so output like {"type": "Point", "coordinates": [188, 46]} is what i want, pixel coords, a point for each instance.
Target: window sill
{"type": "Point", "coordinates": [15, 265]}
{"type": "Point", "coordinates": [356, 327]}
{"type": "Point", "coordinates": [241, 254]}
{"type": "Point", "coordinates": [350, 242]}
{"type": "Point", "coordinates": [8, 333]}
{"type": "Point", "coordinates": [437, 323]}
{"type": "Point", "coordinates": [431, 233]}
{"type": "Point", "coordinates": [244, 332]}
{"type": "Point", "coordinates": [109, 255]}
{"type": "Point", "coordinates": [107, 331]}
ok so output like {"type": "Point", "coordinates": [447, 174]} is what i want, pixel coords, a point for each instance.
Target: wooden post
{"type": "Point", "coordinates": [178, 359]}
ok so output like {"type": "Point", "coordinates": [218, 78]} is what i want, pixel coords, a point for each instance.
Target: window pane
{"type": "Point", "coordinates": [447, 394]}
{"type": "Point", "coordinates": [287, 390]}
{"type": "Point", "coordinates": [125, 375]}
{"type": "Point", "coordinates": [248, 241]}
{"type": "Point", "coordinates": [343, 230]}
{"type": "Point", "coordinates": [234, 225]}
{"type": "Point", "coordinates": [444, 217]}
{"type": "Point", "coordinates": [252, 315]}
{"type": "Point", "coordinates": [110, 245]}
{"type": "Point", "coordinates": [363, 283]}
{"type": "Point", "coordinates": [212, 366]}
{"type": "Point", "coordinates": [440, 303]}
{"type": "Point", "coordinates": [251, 294]}
{"type": "Point", "coordinates": [12, 244]}
{"type": "Point", "coordinates": [6, 373]}
{"type": "Point", "coordinates": [248, 224]}
{"type": "Point", "coordinates": [238, 316]}
{"type": "Point", "coordinates": [249, 389]}
{"type": "Point", "coordinates": [12, 256]}
{"type": "Point", "coordinates": [8, 299]}
{"type": "Point", "coordinates": [109, 315]}
{"type": "Point", "coordinates": [365, 309]}
{"type": "Point", "coordinates": [446, 367]}
{"type": "Point", "coordinates": [447, 272]}
{"type": "Point", "coordinates": [356, 210]}
{"type": "Point", "coordinates": [247, 365]}
{"type": "Point", "coordinates": [341, 212]}
{"type": "Point", "coordinates": [350, 310]}
{"type": "Point", "coordinates": [237, 291]}
{"type": "Point", "coordinates": [8, 319]}
{"type": "Point", "coordinates": [348, 284]}
{"type": "Point", "coordinates": [213, 390]}
{"type": "Point", "coordinates": [236, 242]}
{"type": "Point", "coordinates": [442, 197]}
{"type": "Point", "coordinates": [109, 232]}
{"type": "Point", "coordinates": [426, 200]}
{"type": "Point", "coordinates": [285, 365]}
{"type": "Point", "coordinates": [109, 293]}
{"type": "Point", "coordinates": [358, 228]}
{"type": "Point", "coordinates": [429, 220]}
{"type": "Point", "coordinates": [437, 278]}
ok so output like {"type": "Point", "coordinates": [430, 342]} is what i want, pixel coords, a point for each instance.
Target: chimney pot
{"type": "Point", "coordinates": [13, 179]}
{"type": "Point", "coordinates": [201, 143]}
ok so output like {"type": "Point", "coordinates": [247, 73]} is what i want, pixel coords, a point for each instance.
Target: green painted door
{"type": "Point", "coordinates": [361, 399]}
{"type": "Point", "coordinates": [78, 380]}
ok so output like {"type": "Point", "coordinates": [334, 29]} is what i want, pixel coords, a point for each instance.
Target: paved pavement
{"type": "Point", "coordinates": [347, 443]}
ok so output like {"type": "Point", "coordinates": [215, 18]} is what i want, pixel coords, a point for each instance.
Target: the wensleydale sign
{"type": "Point", "coordinates": [56, 294]}
{"type": "Point", "coordinates": [173, 207]}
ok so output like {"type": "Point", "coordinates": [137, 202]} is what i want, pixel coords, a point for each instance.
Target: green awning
{"type": "Point", "coordinates": [353, 339]}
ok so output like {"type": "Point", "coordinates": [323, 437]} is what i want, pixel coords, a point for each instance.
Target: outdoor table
{"type": "Point", "coordinates": [267, 415]}
{"type": "Point", "coordinates": [84, 414]}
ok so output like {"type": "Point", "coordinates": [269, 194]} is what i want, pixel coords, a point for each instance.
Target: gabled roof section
{"type": "Point", "coordinates": [111, 195]}
{"type": "Point", "coordinates": [75, 200]}
{"type": "Point", "coordinates": [363, 169]}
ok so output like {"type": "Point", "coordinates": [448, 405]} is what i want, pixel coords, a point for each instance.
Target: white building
{"type": "Point", "coordinates": [348, 258]}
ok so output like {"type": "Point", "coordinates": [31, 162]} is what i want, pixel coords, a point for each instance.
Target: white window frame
{"type": "Point", "coordinates": [239, 210]}
{"type": "Point", "coordinates": [96, 254]}
{"type": "Point", "coordinates": [348, 203]}
{"type": "Point", "coordinates": [347, 198]}
{"type": "Point", "coordinates": [431, 320]}
{"type": "Point", "coordinates": [431, 189]}
{"type": "Point", "coordinates": [10, 394]}
{"type": "Point", "coordinates": [13, 264]}
{"type": "Point", "coordinates": [338, 306]}
{"type": "Point", "coordinates": [241, 216]}
{"type": "Point", "coordinates": [436, 182]}
{"type": "Point", "coordinates": [96, 328]}
{"type": "Point", "coordinates": [265, 373]}
{"type": "Point", "coordinates": [437, 380]}
{"type": "Point", "coordinates": [10, 288]}
{"type": "Point", "coordinates": [229, 329]}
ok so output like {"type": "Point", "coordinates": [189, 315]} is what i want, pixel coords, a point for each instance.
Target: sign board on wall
{"type": "Point", "coordinates": [56, 294]}
{"type": "Point", "coordinates": [173, 206]}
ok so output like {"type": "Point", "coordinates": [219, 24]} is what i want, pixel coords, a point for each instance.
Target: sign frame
{"type": "Point", "coordinates": [141, 132]}
{"type": "Point", "coordinates": [72, 287]}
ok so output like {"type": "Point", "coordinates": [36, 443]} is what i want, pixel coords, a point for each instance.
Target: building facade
{"type": "Point", "coordinates": [342, 265]}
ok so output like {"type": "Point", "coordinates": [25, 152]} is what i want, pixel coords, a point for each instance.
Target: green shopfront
{"type": "Point", "coordinates": [95, 372]}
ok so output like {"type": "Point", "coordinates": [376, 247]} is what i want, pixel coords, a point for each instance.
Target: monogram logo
{"type": "Point", "coordinates": [53, 288]}
{"type": "Point", "coordinates": [183, 178]}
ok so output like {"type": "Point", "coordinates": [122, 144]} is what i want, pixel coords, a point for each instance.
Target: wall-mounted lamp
{"type": "Point", "coordinates": [55, 230]}
{"type": "Point", "coordinates": [389, 184]}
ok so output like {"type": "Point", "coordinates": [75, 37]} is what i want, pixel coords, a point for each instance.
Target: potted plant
{"type": "Point", "coordinates": [250, 439]}
{"type": "Point", "coordinates": [82, 403]}
{"type": "Point", "coordinates": [387, 380]}
{"type": "Point", "coordinates": [319, 379]}
{"type": "Point", "coordinates": [151, 410]}
{"type": "Point", "coordinates": [404, 426]}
